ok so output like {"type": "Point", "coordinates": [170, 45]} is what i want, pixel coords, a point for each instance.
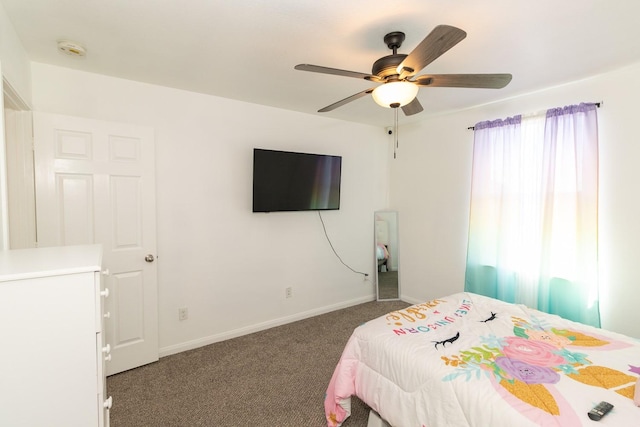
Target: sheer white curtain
{"type": "Point", "coordinates": [534, 202]}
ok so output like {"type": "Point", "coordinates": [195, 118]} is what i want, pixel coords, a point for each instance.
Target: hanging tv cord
{"type": "Point", "coordinates": [334, 251]}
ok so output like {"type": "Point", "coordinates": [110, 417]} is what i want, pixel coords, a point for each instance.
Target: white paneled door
{"type": "Point", "coordinates": [95, 183]}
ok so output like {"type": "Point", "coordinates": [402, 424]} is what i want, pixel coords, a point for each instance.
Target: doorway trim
{"type": "Point", "coordinates": [17, 183]}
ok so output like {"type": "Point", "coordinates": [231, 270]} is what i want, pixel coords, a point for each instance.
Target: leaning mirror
{"type": "Point", "coordinates": [386, 255]}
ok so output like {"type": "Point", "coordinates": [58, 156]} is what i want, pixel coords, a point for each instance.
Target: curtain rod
{"type": "Point", "coordinates": [597, 104]}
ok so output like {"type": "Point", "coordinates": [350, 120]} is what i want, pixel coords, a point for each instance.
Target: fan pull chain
{"type": "Point", "coordinates": [395, 131]}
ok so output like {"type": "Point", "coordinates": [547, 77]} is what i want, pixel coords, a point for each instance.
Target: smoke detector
{"type": "Point", "coordinates": [71, 48]}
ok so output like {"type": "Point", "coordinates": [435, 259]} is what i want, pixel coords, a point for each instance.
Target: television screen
{"type": "Point", "coordinates": [287, 181]}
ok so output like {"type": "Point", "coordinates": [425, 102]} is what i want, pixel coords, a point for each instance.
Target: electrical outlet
{"type": "Point", "coordinates": [183, 313]}
{"type": "Point", "coordinates": [288, 292]}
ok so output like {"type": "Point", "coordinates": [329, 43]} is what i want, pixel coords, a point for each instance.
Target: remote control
{"type": "Point", "coordinates": [600, 410]}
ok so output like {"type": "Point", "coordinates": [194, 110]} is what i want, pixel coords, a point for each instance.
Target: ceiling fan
{"type": "Point", "coordinates": [396, 72]}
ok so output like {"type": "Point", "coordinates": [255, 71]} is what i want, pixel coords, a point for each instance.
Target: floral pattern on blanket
{"type": "Point", "coordinates": [523, 368]}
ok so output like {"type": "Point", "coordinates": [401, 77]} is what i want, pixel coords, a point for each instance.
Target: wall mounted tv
{"type": "Point", "coordinates": [288, 181]}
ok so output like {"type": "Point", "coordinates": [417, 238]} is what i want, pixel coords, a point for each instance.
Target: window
{"type": "Point", "coordinates": [533, 222]}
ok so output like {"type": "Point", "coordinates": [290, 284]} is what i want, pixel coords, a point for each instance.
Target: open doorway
{"type": "Point", "coordinates": [19, 227]}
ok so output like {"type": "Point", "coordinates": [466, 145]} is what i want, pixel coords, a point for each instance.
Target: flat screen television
{"type": "Point", "coordinates": [288, 181]}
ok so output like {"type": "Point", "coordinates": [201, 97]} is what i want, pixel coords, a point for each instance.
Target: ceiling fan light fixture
{"type": "Point", "coordinates": [395, 94]}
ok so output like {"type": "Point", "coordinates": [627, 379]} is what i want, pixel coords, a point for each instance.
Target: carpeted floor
{"type": "Point", "coordinates": [276, 377]}
{"type": "Point", "coordinates": [388, 287]}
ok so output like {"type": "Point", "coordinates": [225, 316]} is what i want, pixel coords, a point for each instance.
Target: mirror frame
{"type": "Point", "coordinates": [392, 246]}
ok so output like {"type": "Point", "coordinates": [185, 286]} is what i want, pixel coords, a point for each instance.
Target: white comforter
{"type": "Point", "coordinates": [469, 360]}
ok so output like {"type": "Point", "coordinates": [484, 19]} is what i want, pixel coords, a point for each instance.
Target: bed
{"type": "Point", "coordinates": [382, 244]}
{"type": "Point", "coordinates": [469, 360]}
{"type": "Point", "coordinates": [382, 255]}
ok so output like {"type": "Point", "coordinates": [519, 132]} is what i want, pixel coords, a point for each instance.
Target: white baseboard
{"type": "Point", "coordinates": [200, 342]}
{"type": "Point", "coordinates": [410, 300]}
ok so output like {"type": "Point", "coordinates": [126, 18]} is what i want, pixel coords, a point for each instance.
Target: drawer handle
{"type": "Point", "coordinates": [105, 293]}
{"type": "Point", "coordinates": [107, 403]}
{"type": "Point", "coordinates": [107, 315]}
{"type": "Point", "coordinates": [106, 349]}
{"type": "Point", "coordinates": [106, 272]}
{"type": "Point", "coordinates": [107, 358]}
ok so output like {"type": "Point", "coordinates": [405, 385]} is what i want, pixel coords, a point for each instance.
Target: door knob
{"type": "Point", "coordinates": [149, 258]}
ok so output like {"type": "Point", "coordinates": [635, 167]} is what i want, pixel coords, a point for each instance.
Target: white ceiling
{"type": "Point", "coordinates": [246, 49]}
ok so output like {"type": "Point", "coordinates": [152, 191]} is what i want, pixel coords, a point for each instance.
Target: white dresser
{"type": "Point", "coordinates": [52, 349]}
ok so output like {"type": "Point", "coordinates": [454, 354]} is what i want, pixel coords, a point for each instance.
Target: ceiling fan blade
{"type": "Point", "coordinates": [414, 107]}
{"type": "Point", "coordinates": [488, 81]}
{"type": "Point", "coordinates": [336, 72]}
{"type": "Point", "coordinates": [345, 101]}
{"type": "Point", "coordinates": [437, 42]}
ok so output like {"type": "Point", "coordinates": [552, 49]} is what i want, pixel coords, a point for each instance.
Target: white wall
{"type": "Point", "coordinates": [202, 141]}
{"type": "Point", "coordinates": [16, 82]}
{"type": "Point", "coordinates": [15, 63]}
{"type": "Point", "coordinates": [229, 266]}
{"type": "Point", "coordinates": [431, 187]}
